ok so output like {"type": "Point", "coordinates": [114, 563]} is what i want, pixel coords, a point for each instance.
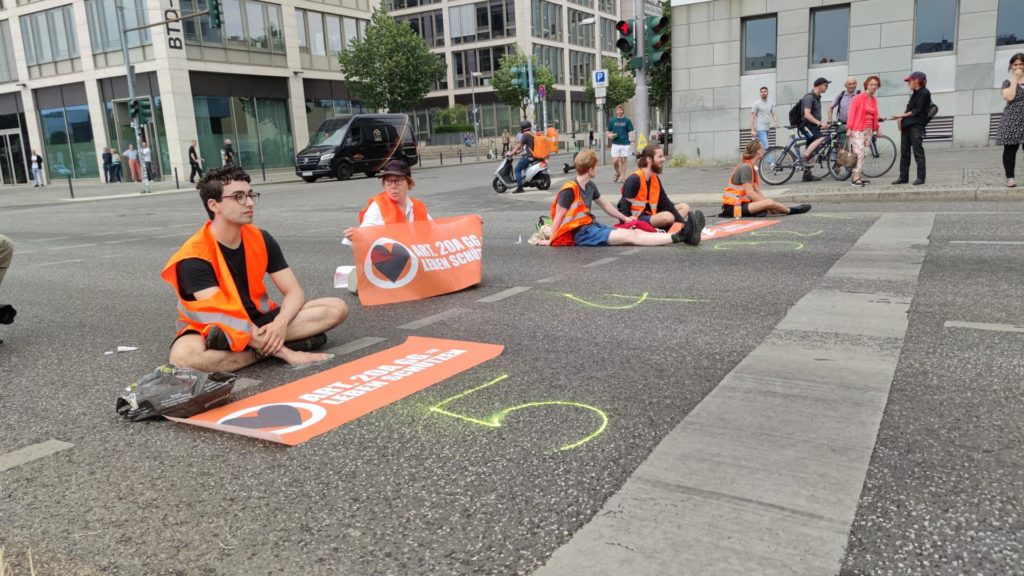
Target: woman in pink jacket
{"type": "Point", "coordinates": [862, 123]}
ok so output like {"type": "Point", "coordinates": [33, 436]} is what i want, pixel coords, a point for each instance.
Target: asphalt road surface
{"type": "Point", "coordinates": [913, 465]}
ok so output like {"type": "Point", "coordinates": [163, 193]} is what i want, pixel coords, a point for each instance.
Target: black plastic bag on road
{"type": "Point", "coordinates": [174, 391]}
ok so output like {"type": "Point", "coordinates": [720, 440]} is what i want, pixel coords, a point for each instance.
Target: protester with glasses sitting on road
{"type": "Point", "coordinates": [742, 196]}
{"type": "Point", "coordinates": [393, 205]}
{"type": "Point", "coordinates": [226, 320]}
{"type": "Point", "coordinates": [863, 124]}
{"type": "Point", "coordinates": [1011, 126]}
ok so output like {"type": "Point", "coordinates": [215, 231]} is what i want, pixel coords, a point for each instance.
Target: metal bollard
{"type": "Point", "coordinates": [460, 155]}
{"type": "Point", "coordinates": [71, 187]}
{"type": "Point", "coordinates": [176, 185]}
{"type": "Point", "coordinates": [264, 169]}
{"type": "Point", "coordinates": [441, 156]}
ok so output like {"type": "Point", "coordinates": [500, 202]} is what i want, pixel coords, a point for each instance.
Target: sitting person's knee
{"type": "Point", "coordinates": [338, 311]}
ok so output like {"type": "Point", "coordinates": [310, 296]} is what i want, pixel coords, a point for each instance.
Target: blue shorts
{"type": "Point", "coordinates": [644, 218]}
{"type": "Point", "coordinates": [595, 234]}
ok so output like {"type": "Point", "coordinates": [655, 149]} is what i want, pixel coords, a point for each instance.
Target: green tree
{"type": "Point", "coordinates": [517, 97]}
{"type": "Point", "coordinates": [391, 68]}
{"type": "Point", "coordinates": [621, 84]}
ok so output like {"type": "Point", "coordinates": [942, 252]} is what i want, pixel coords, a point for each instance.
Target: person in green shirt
{"type": "Point", "coordinates": [620, 132]}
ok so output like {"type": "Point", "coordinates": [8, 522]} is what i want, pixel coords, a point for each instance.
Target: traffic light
{"type": "Point", "coordinates": [627, 38]}
{"type": "Point", "coordinates": [520, 77]}
{"type": "Point", "coordinates": [656, 40]}
{"type": "Point", "coordinates": [216, 14]}
{"type": "Point", "coordinates": [133, 109]}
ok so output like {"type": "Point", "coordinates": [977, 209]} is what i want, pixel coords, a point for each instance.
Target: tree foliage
{"type": "Point", "coordinates": [391, 68]}
{"type": "Point", "coordinates": [621, 84]}
{"type": "Point", "coordinates": [511, 95]}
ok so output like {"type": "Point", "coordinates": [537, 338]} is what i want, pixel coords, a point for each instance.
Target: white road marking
{"type": "Point", "coordinates": [50, 239]}
{"type": "Point", "coordinates": [120, 241]}
{"type": "Point", "coordinates": [631, 251]}
{"type": "Point", "coordinates": [30, 453]}
{"type": "Point", "coordinates": [547, 280]}
{"type": "Point", "coordinates": [993, 242]}
{"type": "Point", "coordinates": [600, 262]}
{"type": "Point", "coordinates": [70, 247]}
{"type": "Point", "coordinates": [432, 319]}
{"type": "Point", "coordinates": [354, 345]}
{"type": "Point", "coordinates": [983, 326]}
{"type": "Point", "coordinates": [54, 263]}
{"type": "Point", "coordinates": [504, 294]}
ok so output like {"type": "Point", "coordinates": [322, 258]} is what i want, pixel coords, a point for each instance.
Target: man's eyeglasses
{"type": "Point", "coordinates": [241, 197]}
{"type": "Point", "coordinates": [393, 181]}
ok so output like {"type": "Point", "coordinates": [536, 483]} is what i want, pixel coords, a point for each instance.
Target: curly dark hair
{"type": "Point", "coordinates": [212, 185]}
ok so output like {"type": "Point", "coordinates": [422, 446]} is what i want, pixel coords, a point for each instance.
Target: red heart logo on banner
{"type": "Point", "coordinates": [391, 261]}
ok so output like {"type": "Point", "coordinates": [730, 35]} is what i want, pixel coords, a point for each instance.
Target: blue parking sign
{"type": "Point", "coordinates": [600, 77]}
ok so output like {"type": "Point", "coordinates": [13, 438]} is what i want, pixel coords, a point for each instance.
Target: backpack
{"type": "Point", "coordinates": [796, 113]}
{"type": "Point", "coordinates": [541, 149]}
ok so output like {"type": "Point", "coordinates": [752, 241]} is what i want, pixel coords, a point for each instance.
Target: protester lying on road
{"type": "Point", "coordinates": [226, 320]}
{"type": "Point", "coordinates": [573, 223]}
{"type": "Point", "coordinates": [393, 205]}
{"type": "Point", "coordinates": [742, 196]}
{"type": "Point", "coordinates": [644, 197]}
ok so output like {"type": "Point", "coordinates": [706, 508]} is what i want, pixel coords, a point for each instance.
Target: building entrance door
{"type": "Point", "coordinates": [13, 167]}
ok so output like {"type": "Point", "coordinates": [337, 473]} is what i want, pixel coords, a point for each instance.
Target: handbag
{"type": "Point", "coordinates": [846, 157]}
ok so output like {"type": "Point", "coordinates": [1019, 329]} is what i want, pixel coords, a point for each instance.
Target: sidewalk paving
{"type": "Point", "coordinates": [953, 175]}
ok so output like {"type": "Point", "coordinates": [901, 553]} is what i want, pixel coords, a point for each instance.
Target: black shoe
{"type": "Point", "coordinates": [314, 342]}
{"type": "Point", "coordinates": [898, 181]}
{"type": "Point", "coordinates": [518, 190]}
{"type": "Point", "coordinates": [918, 182]}
{"type": "Point", "coordinates": [857, 183]}
{"type": "Point", "coordinates": [694, 227]}
{"type": "Point", "coordinates": [799, 209]}
{"type": "Point", "coordinates": [808, 177]}
{"type": "Point", "coordinates": [216, 339]}
{"type": "Point", "coordinates": [7, 314]}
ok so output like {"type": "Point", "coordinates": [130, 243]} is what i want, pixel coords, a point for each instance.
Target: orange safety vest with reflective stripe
{"type": "Point", "coordinates": [646, 200]}
{"type": "Point", "coordinates": [735, 193]}
{"type": "Point", "coordinates": [390, 211]}
{"type": "Point", "coordinates": [225, 308]}
{"type": "Point", "coordinates": [578, 215]}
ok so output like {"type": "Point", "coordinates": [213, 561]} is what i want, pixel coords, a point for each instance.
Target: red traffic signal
{"type": "Point", "coordinates": [624, 27]}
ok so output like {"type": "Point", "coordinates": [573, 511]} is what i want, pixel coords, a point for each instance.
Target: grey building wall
{"type": "Point", "coordinates": [712, 95]}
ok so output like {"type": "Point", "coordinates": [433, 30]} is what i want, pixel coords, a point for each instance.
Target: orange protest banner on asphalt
{"type": "Point", "coordinates": [734, 227]}
{"type": "Point", "coordinates": [296, 412]}
{"type": "Point", "coordinates": [416, 260]}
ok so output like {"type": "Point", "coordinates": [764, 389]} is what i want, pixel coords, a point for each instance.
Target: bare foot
{"type": "Point", "coordinates": [296, 358]}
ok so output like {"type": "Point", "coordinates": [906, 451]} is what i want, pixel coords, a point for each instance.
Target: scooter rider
{"type": "Point", "coordinates": [525, 145]}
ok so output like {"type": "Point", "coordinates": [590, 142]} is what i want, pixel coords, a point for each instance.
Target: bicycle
{"type": "Point", "coordinates": [779, 163]}
{"type": "Point", "coordinates": [880, 156]}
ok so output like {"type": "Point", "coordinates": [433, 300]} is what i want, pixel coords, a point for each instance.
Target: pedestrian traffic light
{"type": "Point", "coordinates": [216, 14]}
{"type": "Point", "coordinates": [520, 77]}
{"type": "Point", "coordinates": [627, 38]}
{"type": "Point", "coordinates": [656, 40]}
{"type": "Point", "coordinates": [133, 109]}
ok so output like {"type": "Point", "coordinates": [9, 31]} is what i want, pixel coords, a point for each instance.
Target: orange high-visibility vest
{"type": "Point", "coordinates": [646, 200]}
{"type": "Point", "coordinates": [735, 193]}
{"type": "Point", "coordinates": [390, 211]}
{"type": "Point", "coordinates": [223, 309]}
{"type": "Point", "coordinates": [575, 217]}
{"type": "Point", "coordinates": [552, 136]}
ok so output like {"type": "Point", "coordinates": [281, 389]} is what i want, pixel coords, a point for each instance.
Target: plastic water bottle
{"type": "Point", "coordinates": [737, 211]}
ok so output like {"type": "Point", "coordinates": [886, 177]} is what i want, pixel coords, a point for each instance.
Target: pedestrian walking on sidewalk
{"type": "Point", "coordinates": [107, 163]}
{"type": "Point", "coordinates": [1011, 126]}
{"type": "Point", "coordinates": [133, 163]}
{"type": "Point", "coordinates": [115, 166]}
{"type": "Point", "coordinates": [862, 122]}
{"type": "Point", "coordinates": [763, 117]}
{"type": "Point", "coordinates": [36, 162]}
{"type": "Point", "coordinates": [146, 157]}
{"type": "Point", "coordinates": [506, 141]}
{"type": "Point", "coordinates": [912, 126]}
{"type": "Point", "coordinates": [194, 161]}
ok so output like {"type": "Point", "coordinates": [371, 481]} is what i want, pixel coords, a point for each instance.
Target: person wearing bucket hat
{"type": "Point", "coordinates": [393, 205]}
{"type": "Point", "coordinates": [912, 126]}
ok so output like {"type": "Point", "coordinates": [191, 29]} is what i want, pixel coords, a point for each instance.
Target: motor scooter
{"type": "Point", "coordinates": [535, 176]}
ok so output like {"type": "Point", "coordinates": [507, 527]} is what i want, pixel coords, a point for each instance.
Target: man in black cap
{"type": "Point", "coordinates": [912, 124]}
{"type": "Point", "coordinates": [812, 124]}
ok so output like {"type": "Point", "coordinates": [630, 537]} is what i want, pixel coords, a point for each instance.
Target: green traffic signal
{"type": "Point", "coordinates": [520, 77]}
{"type": "Point", "coordinates": [216, 14]}
{"type": "Point", "coordinates": [133, 109]}
{"type": "Point", "coordinates": [627, 38]}
{"type": "Point", "coordinates": [656, 40]}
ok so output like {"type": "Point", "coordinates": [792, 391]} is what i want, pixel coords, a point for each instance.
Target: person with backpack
{"type": "Point", "coordinates": [841, 103]}
{"type": "Point", "coordinates": [806, 116]}
{"type": "Point", "coordinates": [912, 125]}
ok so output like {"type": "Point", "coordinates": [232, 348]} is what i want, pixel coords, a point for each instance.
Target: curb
{"type": "Point", "coordinates": [890, 195]}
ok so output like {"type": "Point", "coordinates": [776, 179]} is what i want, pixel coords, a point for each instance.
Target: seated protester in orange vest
{"type": "Point", "coordinates": [393, 205]}
{"type": "Point", "coordinates": [574, 225]}
{"type": "Point", "coordinates": [644, 197]}
{"type": "Point", "coordinates": [742, 196]}
{"type": "Point", "coordinates": [226, 320]}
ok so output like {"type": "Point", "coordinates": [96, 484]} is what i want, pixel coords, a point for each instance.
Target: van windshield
{"type": "Point", "coordinates": [329, 133]}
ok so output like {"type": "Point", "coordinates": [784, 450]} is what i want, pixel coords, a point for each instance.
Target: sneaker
{"type": "Point", "coordinates": [808, 177]}
{"type": "Point", "coordinates": [865, 182]}
{"type": "Point", "coordinates": [7, 314]}
{"type": "Point", "coordinates": [314, 342]}
{"type": "Point", "coordinates": [857, 183]}
{"type": "Point", "coordinates": [518, 190]}
{"type": "Point", "coordinates": [1011, 183]}
{"type": "Point", "coordinates": [919, 181]}
{"type": "Point", "coordinates": [898, 181]}
{"type": "Point", "coordinates": [694, 227]}
{"type": "Point", "coordinates": [216, 339]}
{"type": "Point", "coordinates": [799, 209]}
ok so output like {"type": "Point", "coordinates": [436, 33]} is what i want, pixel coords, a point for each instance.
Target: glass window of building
{"type": "Point", "coordinates": [482, 21]}
{"type": "Point", "coordinates": [587, 3]}
{"type": "Point", "coordinates": [580, 34]}
{"type": "Point", "coordinates": [300, 30]}
{"type": "Point", "coordinates": [49, 35]}
{"type": "Point", "coordinates": [256, 23]}
{"type": "Point", "coordinates": [259, 128]}
{"type": "Point", "coordinates": [830, 35]}
{"type": "Point", "coordinates": [607, 6]}
{"type": "Point", "coordinates": [428, 25]}
{"type": "Point", "coordinates": [1010, 23]}
{"type": "Point", "coordinates": [608, 35]}
{"type": "Point", "coordinates": [550, 57]}
{"type": "Point", "coordinates": [351, 31]}
{"type": "Point", "coordinates": [400, 4]}
{"type": "Point", "coordinates": [248, 25]}
{"type": "Point", "coordinates": [581, 64]}
{"type": "Point", "coordinates": [547, 20]}
{"type": "Point", "coordinates": [317, 38]}
{"type": "Point", "coordinates": [934, 26]}
{"type": "Point", "coordinates": [759, 43]}
{"type": "Point", "coordinates": [333, 33]}
{"type": "Point", "coordinates": [105, 34]}
{"type": "Point", "coordinates": [198, 30]}
{"type": "Point", "coordinates": [483, 60]}
{"type": "Point", "coordinates": [8, 68]}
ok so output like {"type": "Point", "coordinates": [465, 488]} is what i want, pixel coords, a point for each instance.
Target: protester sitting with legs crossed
{"type": "Point", "coordinates": [742, 196]}
{"type": "Point", "coordinates": [644, 197]}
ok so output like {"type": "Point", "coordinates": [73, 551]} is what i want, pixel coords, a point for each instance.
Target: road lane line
{"type": "Point", "coordinates": [354, 345]}
{"type": "Point", "coordinates": [120, 241]}
{"type": "Point", "coordinates": [51, 239]}
{"type": "Point", "coordinates": [70, 247]}
{"type": "Point", "coordinates": [600, 262]}
{"type": "Point", "coordinates": [432, 319]}
{"type": "Point", "coordinates": [631, 251]}
{"type": "Point", "coordinates": [504, 294]}
{"type": "Point", "coordinates": [54, 263]}
{"type": "Point", "coordinates": [547, 280]}
{"type": "Point", "coordinates": [325, 229]}
{"type": "Point", "coordinates": [983, 326]}
{"type": "Point", "coordinates": [764, 475]}
{"type": "Point", "coordinates": [30, 453]}
{"type": "Point", "coordinates": [993, 242]}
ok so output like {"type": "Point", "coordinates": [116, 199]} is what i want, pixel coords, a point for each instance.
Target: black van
{"type": "Point", "coordinates": [351, 143]}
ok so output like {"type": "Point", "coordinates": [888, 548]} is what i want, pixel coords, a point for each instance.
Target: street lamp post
{"type": "Point", "coordinates": [596, 21]}
{"type": "Point", "coordinates": [476, 121]}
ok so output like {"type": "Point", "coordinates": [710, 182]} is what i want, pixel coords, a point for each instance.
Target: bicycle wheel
{"type": "Point", "coordinates": [819, 162]}
{"type": "Point", "coordinates": [777, 166]}
{"type": "Point", "coordinates": [838, 172]}
{"type": "Point", "coordinates": [879, 157]}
